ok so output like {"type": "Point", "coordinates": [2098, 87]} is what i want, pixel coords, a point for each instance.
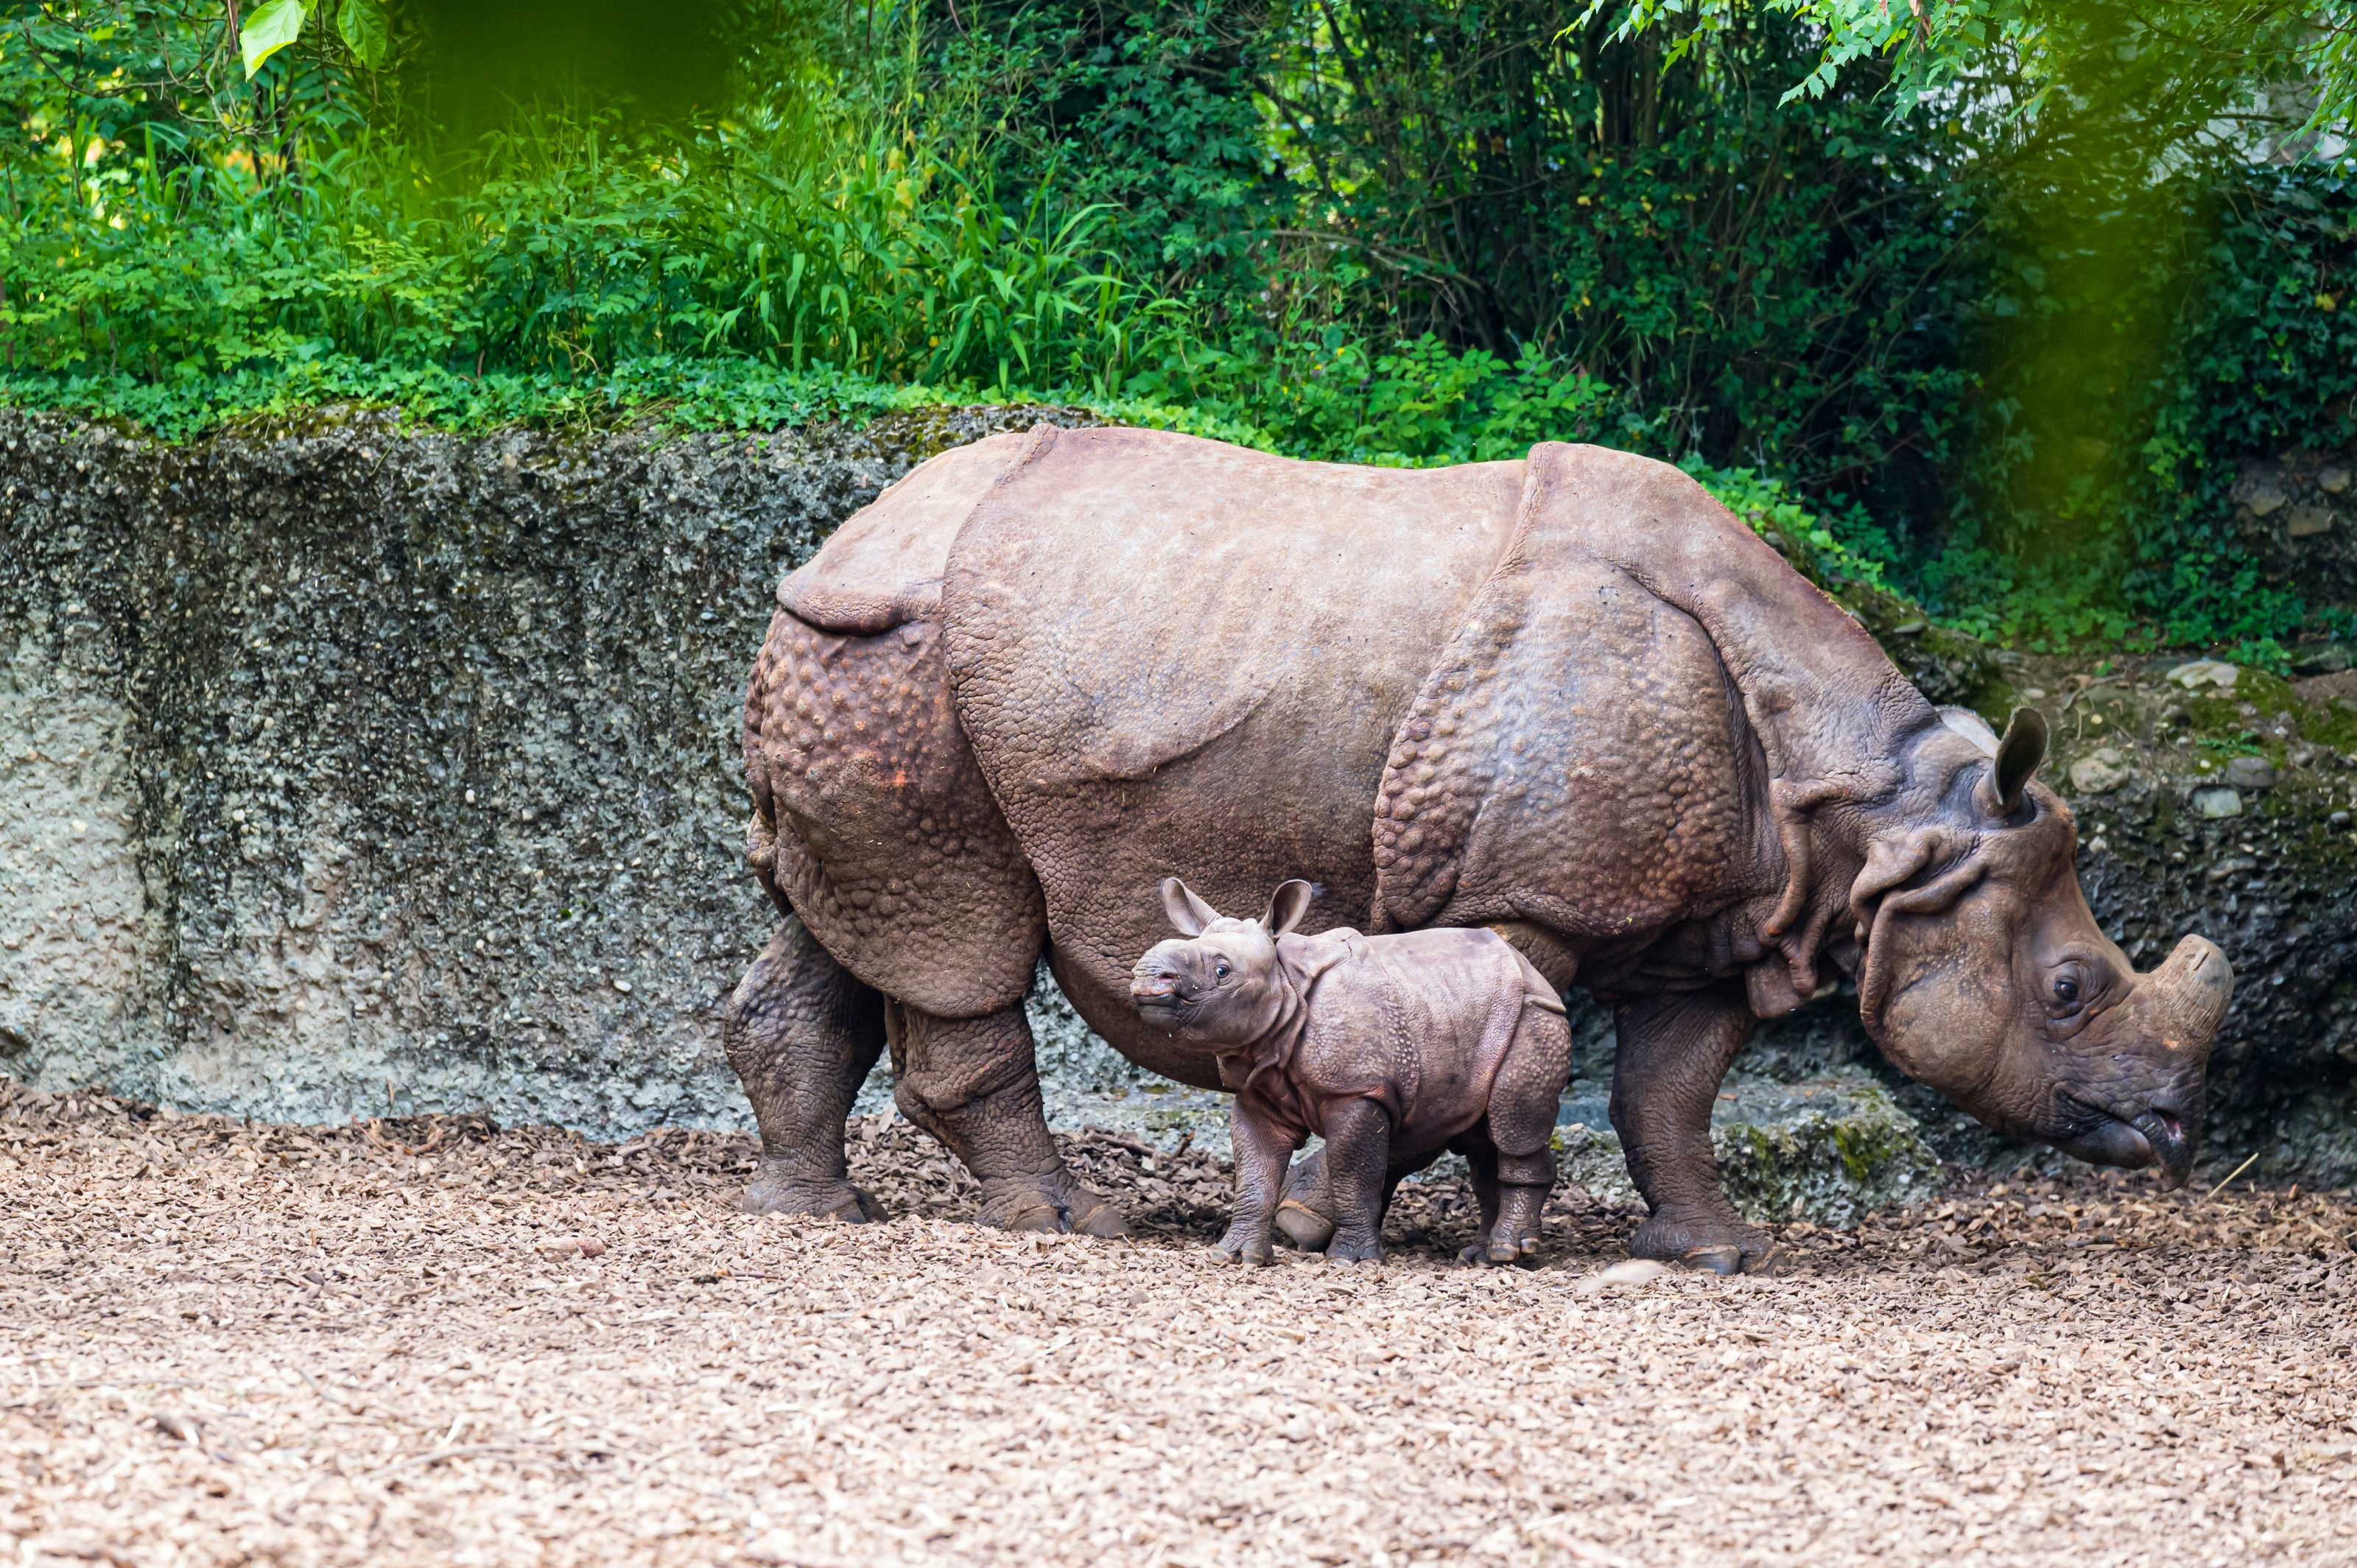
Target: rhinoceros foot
{"type": "Point", "coordinates": [779, 1192]}
{"type": "Point", "coordinates": [1304, 1226]}
{"type": "Point", "coordinates": [1497, 1250]}
{"type": "Point", "coordinates": [1302, 1217]}
{"type": "Point", "coordinates": [1719, 1242]}
{"type": "Point", "coordinates": [1052, 1204]}
{"type": "Point", "coordinates": [1242, 1245]}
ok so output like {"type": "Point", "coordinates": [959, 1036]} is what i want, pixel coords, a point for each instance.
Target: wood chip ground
{"type": "Point", "coordinates": [431, 1341]}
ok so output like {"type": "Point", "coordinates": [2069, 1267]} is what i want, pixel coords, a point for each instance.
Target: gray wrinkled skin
{"type": "Point", "coordinates": [1392, 1048]}
{"type": "Point", "coordinates": [1571, 698]}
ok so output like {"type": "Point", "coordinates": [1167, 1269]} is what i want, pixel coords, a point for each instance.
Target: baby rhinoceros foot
{"type": "Point", "coordinates": [1345, 1247]}
{"type": "Point", "coordinates": [1237, 1247]}
{"type": "Point", "coordinates": [1301, 1216]}
{"type": "Point", "coordinates": [1502, 1247]}
{"type": "Point", "coordinates": [776, 1191]}
{"type": "Point", "coordinates": [1721, 1244]}
{"type": "Point", "coordinates": [1052, 1204]}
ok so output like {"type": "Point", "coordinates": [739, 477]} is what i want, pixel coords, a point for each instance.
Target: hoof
{"type": "Point", "coordinates": [1030, 1206]}
{"type": "Point", "coordinates": [1721, 1243]}
{"type": "Point", "coordinates": [1091, 1215]}
{"type": "Point", "coordinates": [1304, 1226]}
{"type": "Point", "coordinates": [1340, 1251]}
{"type": "Point", "coordinates": [1517, 1250]}
{"type": "Point", "coordinates": [1022, 1209]}
{"type": "Point", "coordinates": [826, 1199]}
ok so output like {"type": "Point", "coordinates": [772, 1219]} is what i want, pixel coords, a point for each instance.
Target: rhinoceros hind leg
{"type": "Point", "coordinates": [1304, 1214]}
{"type": "Point", "coordinates": [1518, 1136]}
{"type": "Point", "coordinates": [973, 1084]}
{"type": "Point", "coordinates": [1358, 1180]}
{"type": "Point", "coordinates": [803, 1035]}
{"type": "Point", "coordinates": [1673, 1052]}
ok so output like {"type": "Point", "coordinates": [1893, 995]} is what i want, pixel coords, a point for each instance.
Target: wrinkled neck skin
{"type": "Point", "coordinates": [1791, 927]}
{"type": "Point", "coordinates": [1262, 1064]}
{"type": "Point", "coordinates": [1278, 1025]}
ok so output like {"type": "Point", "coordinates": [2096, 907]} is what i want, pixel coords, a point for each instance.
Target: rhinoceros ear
{"type": "Point", "coordinates": [1187, 912]}
{"type": "Point", "coordinates": [1286, 906]}
{"type": "Point", "coordinates": [2018, 757]}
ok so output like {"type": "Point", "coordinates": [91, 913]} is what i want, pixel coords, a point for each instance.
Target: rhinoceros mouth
{"type": "Point", "coordinates": [1166, 1010]}
{"type": "Point", "coordinates": [2133, 1140]}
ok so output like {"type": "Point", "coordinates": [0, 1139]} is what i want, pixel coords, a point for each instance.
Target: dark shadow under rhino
{"type": "Point", "coordinates": [1571, 698]}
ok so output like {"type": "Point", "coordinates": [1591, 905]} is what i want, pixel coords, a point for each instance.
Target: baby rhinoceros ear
{"type": "Point", "coordinates": [1286, 906]}
{"type": "Point", "coordinates": [1187, 912]}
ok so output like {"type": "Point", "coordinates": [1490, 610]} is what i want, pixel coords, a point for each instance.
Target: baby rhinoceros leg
{"type": "Point", "coordinates": [1513, 1164]}
{"type": "Point", "coordinates": [1262, 1151]}
{"type": "Point", "coordinates": [1358, 1161]}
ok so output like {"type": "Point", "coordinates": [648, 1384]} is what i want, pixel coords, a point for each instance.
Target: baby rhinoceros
{"type": "Point", "coordinates": [1392, 1048]}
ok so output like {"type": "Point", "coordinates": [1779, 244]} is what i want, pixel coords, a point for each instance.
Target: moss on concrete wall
{"type": "Point", "coordinates": [343, 764]}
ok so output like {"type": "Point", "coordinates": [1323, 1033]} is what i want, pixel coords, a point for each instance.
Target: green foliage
{"type": "Point", "coordinates": [1975, 353]}
{"type": "Point", "coordinates": [1931, 46]}
{"type": "Point", "coordinates": [274, 25]}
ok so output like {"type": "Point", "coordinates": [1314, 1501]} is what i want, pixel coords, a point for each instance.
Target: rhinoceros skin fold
{"type": "Point", "coordinates": [1570, 698]}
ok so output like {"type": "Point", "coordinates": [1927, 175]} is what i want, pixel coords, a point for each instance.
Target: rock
{"type": "Point", "coordinates": [1827, 1147]}
{"type": "Point", "coordinates": [2260, 495]}
{"type": "Point", "coordinates": [2250, 773]}
{"type": "Point", "coordinates": [2292, 514]}
{"type": "Point", "coordinates": [2205, 673]}
{"type": "Point", "coordinates": [1631, 1273]}
{"type": "Point", "coordinates": [2329, 660]}
{"type": "Point", "coordinates": [2214, 800]}
{"type": "Point", "coordinates": [2099, 771]}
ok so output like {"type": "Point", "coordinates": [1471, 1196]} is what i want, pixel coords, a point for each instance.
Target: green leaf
{"type": "Point", "coordinates": [273, 26]}
{"type": "Point", "coordinates": [366, 31]}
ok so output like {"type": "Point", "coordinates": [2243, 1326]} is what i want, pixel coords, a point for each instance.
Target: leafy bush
{"type": "Point", "coordinates": [1401, 234]}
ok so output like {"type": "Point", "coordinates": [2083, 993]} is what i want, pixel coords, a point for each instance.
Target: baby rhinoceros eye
{"type": "Point", "coordinates": [1219, 972]}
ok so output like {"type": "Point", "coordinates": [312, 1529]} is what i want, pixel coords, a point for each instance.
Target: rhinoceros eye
{"type": "Point", "coordinates": [2066, 991]}
{"type": "Point", "coordinates": [1219, 972]}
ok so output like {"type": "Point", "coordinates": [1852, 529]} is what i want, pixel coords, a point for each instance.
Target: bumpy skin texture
{"type": "Point", "coordinates": [877, 825]}
{"type": "Point", "coordinates": [1389, 1047]}
{"type": "Point", "coordinates": [802, 1035]}
{"type": "Point", "coordinates": [1572, 699]}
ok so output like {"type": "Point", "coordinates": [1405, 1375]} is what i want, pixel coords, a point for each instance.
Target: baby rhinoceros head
{"type": "Point", "coordinates": [1217, 986]}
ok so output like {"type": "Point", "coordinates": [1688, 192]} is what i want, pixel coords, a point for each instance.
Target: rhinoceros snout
{"type": "Point", "coordinates": [1156, 985]}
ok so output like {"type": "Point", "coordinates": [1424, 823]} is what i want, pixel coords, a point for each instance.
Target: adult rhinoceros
{"type": "Point", "coordinates": [1571, 698]}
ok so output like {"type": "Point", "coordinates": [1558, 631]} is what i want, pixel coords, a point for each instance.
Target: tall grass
{"type": "Point", "coordinates": [561, 245]}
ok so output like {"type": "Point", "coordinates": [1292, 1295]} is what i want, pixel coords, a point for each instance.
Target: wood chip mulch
{"type": "Point", "coordinates": [434, 1341]}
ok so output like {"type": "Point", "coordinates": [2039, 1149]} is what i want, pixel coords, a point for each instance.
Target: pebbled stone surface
{"type": "Point", "coordinates": [345, 766]}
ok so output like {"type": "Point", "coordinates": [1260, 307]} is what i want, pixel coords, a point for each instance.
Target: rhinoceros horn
{"type": "Point", "coordinates": [2018, 757]}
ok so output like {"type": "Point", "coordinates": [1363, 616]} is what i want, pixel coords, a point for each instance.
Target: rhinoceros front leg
{"type": "Point", "coordinates": [1262, 1151]}
{"type": "Point", "coordinates": [1673, 1051]}
{"type": "Point", "coordinates": [973, 1084]}
{"type": "Point", "coordinates": [803, 1035]}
